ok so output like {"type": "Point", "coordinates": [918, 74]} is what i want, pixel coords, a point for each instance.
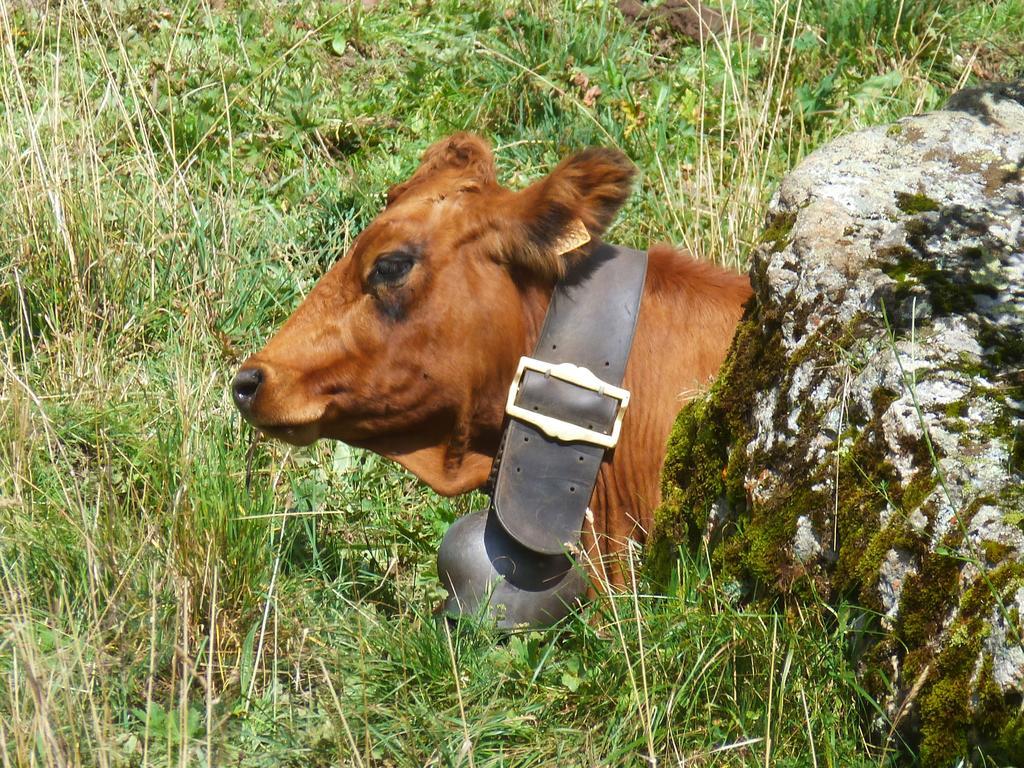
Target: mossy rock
{"type": "Point", "coordinates": [865, 438]}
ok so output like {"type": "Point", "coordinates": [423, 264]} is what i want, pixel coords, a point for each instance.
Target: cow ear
{"type": "Point", "coordinates": [464, 153]}
{"type": "Point", "coordinates": [571, 207]}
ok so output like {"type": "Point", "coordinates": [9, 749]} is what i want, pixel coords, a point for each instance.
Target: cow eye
{"type": "Point", "coordinates": [390, 268]}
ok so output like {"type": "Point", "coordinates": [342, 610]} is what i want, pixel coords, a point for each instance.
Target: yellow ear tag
{"type": "Point", "coordinates": [574, 236]}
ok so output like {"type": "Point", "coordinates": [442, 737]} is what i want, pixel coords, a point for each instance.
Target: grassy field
{"type": "Point", "coordinates": [173, 178]}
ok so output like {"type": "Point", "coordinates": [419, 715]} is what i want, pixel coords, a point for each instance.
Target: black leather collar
{"type": "Point", "coordinates": [543, 484]}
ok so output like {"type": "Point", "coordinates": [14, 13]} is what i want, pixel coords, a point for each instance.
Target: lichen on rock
{"type": "Point", "coordinates": [865, 439]}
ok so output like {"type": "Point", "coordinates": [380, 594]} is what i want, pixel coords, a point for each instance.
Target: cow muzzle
{"type": "Point", "coordinates": [245, 387]}
{"type": "Point", "coordinates": [252, 391]}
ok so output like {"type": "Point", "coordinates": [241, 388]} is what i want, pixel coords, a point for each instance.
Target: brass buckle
{"type": "Point", "coordinates": [564, 430]}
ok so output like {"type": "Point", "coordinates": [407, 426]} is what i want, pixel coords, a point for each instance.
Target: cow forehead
{"type": "Point", "coordinates": [446, 181]}
{"type": "Point", "coordinates": [426, 214]}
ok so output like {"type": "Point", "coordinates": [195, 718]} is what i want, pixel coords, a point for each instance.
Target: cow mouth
{"type": "Point", "coordinates": [298, 435]}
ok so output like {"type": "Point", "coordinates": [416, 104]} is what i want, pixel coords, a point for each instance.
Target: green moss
{"type": "Point", "coordinates": [694, 462]}
{"type": "Point", "coordinates": [894, 260]}
{"type": "Point", "coordinates": [1016, 462]}
{"type": "Point", "coordinates": [959, 706]}
{"type": "Point", "coordinates": [956, 409]}
{"type": "Point", "coordinates": [975, 254]}
{"type": "Point", "coordinates": [763, 556]}
{"type": "Point", "coordinates": [867, 485]}
{"type": "Point", "coordinates": [1003, 727]}
{"type": "Point", "coordinates": [1003, 350]}
{"type": "Point", "coordinates": [862, 574]}
{"type": "Point", "coordinates": [777, 233]}
{"type": "Point", "coordinates": [918, 489]}
{"type": "Point", "coordinates": [995, 552]}
{"type": "Point", "coordinates": [945, 710]}
{"type": "Point", "coordinates": [1011, 501]}
{"type": "Point", "coordinates": [927, 599]}
{"type": "Point", "coordinates": [915, 203]}
{"type": "Point", "coordinates": [949, 291]}
{"type": "Point", "coordinates": [768, 535]}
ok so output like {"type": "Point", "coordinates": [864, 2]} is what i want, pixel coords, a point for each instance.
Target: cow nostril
{"type": "Point", "coordinates": [244, 387]}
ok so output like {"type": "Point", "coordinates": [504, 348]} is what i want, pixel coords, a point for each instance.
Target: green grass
{"type": "Point", "coordinates": [172, 179]}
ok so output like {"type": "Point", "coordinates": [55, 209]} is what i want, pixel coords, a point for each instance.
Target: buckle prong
{"type": "Point", "coordinates": [557, 428]}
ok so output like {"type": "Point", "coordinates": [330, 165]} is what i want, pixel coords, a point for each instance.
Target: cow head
{"type": "Point", "coordinates": [408, 343]}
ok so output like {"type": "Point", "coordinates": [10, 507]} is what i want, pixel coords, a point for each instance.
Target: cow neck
{"type": "Point", "coordinates": [541, 486]}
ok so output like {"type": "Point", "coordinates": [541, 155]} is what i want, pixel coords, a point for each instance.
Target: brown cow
{"type": "Point", "coordinates": [408, 344]}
